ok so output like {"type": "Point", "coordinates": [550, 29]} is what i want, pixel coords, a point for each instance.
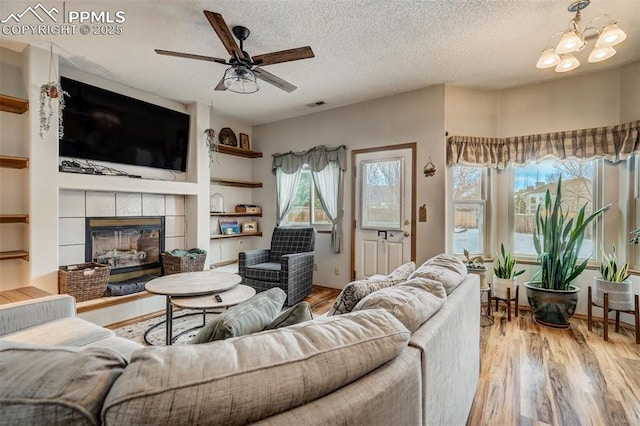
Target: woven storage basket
{"type": "Point", "coordinates": [84, 281]}
{"type": "Point", "coordinates": [176, 264]}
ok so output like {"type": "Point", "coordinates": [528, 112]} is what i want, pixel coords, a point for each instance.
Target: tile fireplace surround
{"type": "Point", "coordinates": [76, 206]}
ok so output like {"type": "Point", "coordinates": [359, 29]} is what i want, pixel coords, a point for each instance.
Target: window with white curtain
{"type": "Point", "coordinates": [306, 208]}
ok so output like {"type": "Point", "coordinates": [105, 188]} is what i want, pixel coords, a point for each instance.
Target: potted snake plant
{"type": "Point", "coordinates": [613, 280]}
{"type": "Point", "coordinates": [557, 238]}
{"type": "Point", "coordinates": [504, 273]}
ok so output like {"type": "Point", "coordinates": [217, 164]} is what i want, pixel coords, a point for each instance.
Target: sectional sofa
{"type": "Point", "coordinates": [359, 368]}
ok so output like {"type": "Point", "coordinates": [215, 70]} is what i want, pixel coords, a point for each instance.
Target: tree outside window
{"type": "Point", "coordinates": [306, 208]}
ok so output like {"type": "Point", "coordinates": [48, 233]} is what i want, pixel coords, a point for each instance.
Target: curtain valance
{"type": "Point", "coordinates": [613, 143]}
{"type": "Point", "coordinates": [316, 158]}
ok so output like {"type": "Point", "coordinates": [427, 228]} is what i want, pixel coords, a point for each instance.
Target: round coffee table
{"type": "Point", "coordinates": [238, 294]}
{"type": "Point", "coordinates": [188, 284]}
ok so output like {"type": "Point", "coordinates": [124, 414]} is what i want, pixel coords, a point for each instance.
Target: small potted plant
{"type": "Point", "coordinates": [504, 273]}
{"type": "Point", "coordinates": [613, 280]}
{"type": "Point", "coordinates": [475, 265]}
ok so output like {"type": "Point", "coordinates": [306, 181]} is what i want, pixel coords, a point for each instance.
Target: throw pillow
{"type": "Point", "coordinates": [402, 272]}
{"type": "Point", "coordinates": [245, 318]}
{"type": "Point", "coordinates": [445, 268]}
{"type": "Point", "coordinates": [55, 384]}
{"type": "Point", "coordinates": [355, 291]}
{"type": "Point", "coordinates": [412, 302]}
{"type": "Point", "coordinates": [295, 314]}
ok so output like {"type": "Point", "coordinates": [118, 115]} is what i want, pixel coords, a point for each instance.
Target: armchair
{"type": "Point", "coordinates": [288, 264]}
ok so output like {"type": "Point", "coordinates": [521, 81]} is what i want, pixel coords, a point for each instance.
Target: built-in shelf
{"type": "Point", "coordinates": [14, 218]}
{"type": "Point", "coordinates": [14, 162]}
{"type": "Point", "coordinates": [236, 183]}
{"type": "Point", "coordinates": [246, 234]}
{"type": "Point", "coordinates": [16, 105]}
{"type": "Point", "coordinates": [14, 254]}
{"type": "Point", "coordinates": [246, 153]}
{"type": "Point", "coordinates": [235, 214]}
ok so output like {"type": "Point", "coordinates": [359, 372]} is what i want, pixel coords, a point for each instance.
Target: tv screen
{"type": "Point", "coordinates": [105, 126]}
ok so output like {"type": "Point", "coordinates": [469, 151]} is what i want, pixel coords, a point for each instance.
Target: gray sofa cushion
{"type": "Point", "coordinates": [245, 318]}
{"type": "Point", "coordinates": [445, 268]}
{"type": "Point", "coordinates": [55, 385]}
{"type": "Point", "coordinates": [412, 302]}
{"type": "Point", "coordinates": [70, 331]}
{"type": "Point", "coordinates": [245, 379]}
{"type": "Point", "coordinates": [294, 315]}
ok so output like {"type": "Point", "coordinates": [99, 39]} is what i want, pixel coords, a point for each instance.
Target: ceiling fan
{"type": "Point", "coordinates": [243, 69]}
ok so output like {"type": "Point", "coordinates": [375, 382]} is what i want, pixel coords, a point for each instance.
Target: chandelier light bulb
{"type": "Point", "coordinates": [568, 62]}
{"type": "Point", "coordinates": [600, 54]}
{"type": "Point", "coordinates": [610, 36]}
{"type": "Point", "coordinates": [548, 59]}
{"type": "Point", "coordinates": [570, 42]}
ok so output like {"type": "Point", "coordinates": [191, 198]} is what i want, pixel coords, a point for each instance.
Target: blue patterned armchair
{"type": "Point", "coordinates": [288, 264]}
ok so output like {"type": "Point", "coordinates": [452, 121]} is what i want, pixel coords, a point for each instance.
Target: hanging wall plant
{"type": "Point", "coordinates": [51, 93]}
{"type": "Point", "coordinates": [212, 144]}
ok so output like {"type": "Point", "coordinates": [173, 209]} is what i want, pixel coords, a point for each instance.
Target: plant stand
{"type": "Point", "coordinates": [606, 310]}
{"type": "Point", "coordinates": [486, 319]}
{"type": "Point", "coordinates": [508, 301]}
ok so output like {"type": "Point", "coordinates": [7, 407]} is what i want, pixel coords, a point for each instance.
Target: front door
{"type": "Point", "coordinates": [384, 217]}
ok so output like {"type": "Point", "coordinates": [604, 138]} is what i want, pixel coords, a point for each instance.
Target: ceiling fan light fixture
{"type": "Point", "coordinates": [600, 54]}
{"type": "Point", "coordinates": [548, 59]}
{"type": "Point", "coordinates": [568, 62]}
{"type": "Point", "coordinates": [240, 79]}
{"type": "Point", "coordinates": [610, 36]}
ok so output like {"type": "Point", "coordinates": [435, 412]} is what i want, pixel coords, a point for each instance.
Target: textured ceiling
{"type": "Point", "coordinates": [363, 49]}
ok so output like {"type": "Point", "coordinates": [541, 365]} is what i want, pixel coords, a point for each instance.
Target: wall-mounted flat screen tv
{"type": "Point", "coordinates": [101, 125]}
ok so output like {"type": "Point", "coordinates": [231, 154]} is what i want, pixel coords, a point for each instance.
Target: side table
{"type": "Point", "coordinates": [486, 319]}
{"type": "Point", "coordinates": [508, 301]}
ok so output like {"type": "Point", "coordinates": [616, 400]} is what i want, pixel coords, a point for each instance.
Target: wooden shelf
{"type": "Point", "coordinates": [14, 162]}
{"type": "Point", "coordinates": [15, 254]}
{"type": "Point", "coordinates": [231, 150]}
{"type": "Point", "coordinates": [16, 105]}
{"type": "Point", "coordinates": [246, 234]}
{"type": "Point", "coordinates": [14, 218]}
{"type": "Point", "coordinates": [234, 214]}
{"type": "Point", "coordinates": [236, 183]}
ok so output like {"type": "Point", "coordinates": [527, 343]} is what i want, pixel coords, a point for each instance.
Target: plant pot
{"type": "Point", "coordinates": [482, 273]}
{"type": "Point", "coordinates": [500, 285]}
{"type": "Point", "coordinates": [553, 308]}
{"type": "Point", "coordinates": [620, 294]}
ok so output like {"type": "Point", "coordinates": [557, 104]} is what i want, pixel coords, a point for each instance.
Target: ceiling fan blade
{"type": "Point", "coordinates": [221, 85]}
{"type": "Point", "coordinates": [220, 27]}
{"type": "Point", "coordinates": [274, 80]}
{"type": "Point", "coordinates": [284, 56]}
{"type": "Point", "coordinates": [190, 56]}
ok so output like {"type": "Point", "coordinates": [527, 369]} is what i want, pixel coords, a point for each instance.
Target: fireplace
{"type": "Point", "coordinates": [127, 244]}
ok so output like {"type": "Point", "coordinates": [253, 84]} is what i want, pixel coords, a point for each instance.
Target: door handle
{"type": "Point", "coordinates": [406, 233]}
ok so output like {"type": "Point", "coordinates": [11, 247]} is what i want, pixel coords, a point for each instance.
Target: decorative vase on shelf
{"type": "Point", "coordinates": [217, 203]}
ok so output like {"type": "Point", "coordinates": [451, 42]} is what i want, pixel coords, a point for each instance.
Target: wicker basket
{"type": "Point", "coordinates": [177, 264]}
{"type": "Point", "coordinates": [84, 281]}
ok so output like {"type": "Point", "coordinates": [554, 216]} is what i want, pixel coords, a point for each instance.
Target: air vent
{"type": "Point", "coordinates": [316, 104]}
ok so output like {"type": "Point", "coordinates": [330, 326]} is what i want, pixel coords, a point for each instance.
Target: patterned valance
{"type": "Point", "coordinates": [316, 158]}
{"type": "Point", "coordinates": [612, 143]}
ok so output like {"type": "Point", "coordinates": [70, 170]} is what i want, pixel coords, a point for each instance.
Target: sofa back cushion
{"type": "Point", "coordinates": [55, 385]}
{"type": "Point", "coordinates": [245, 379]}
{"type": "Point", "coordinates": [444, 268]}
{"type": "Point", "coordinates": [291, 239]}
{"type": "Point", "coordinates": [412, 302]}
{"type": "Point", "coordinates": [355, 291]}
{"type": "Point", "coordinates": [245, 318]}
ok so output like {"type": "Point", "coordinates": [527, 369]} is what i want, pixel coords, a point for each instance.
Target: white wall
{"type": "Point", "coordinates": [416, 116]}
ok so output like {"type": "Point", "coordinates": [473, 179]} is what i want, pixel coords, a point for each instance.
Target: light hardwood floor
{"type": "Point", "coordinates": [533, 375]}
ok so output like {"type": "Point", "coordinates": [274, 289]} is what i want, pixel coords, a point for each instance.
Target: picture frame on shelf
{"type": "Point", "coordinates": [244, 142]}
{"type": "Point", "coordinates": [229, 226]}
{"type": "Point", "coordinates": [249, 227]}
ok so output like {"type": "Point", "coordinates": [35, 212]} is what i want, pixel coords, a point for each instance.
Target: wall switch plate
{"type": "Point", "coordinates": [337, 270]}
{"type": "Point", "coordinates": [315, 266]}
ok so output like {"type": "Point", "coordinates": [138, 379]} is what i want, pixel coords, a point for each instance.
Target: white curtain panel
{"type": "Point", "coordinates": [286, 187]}
{"type": "Point", "coordinates": [329, 186]}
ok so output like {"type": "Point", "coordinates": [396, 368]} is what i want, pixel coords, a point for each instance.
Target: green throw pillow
{"type": "Point", "coordinates": [246, 318]}
{"type": "Point", "coordinates": [295, 314]}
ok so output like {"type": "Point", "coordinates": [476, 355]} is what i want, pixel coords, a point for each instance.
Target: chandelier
{"type": "Point", "coordinates": [575, 40]}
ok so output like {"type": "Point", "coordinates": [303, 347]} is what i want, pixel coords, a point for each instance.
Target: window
{"type": "Point", "coordinates": [306, 208]}
{"type": "Point", "coordinates": [530, 184]}
{"type": "Point", "coordinates": [469, 209]}
{"type": "Point", "coordinates": [382, 194]}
